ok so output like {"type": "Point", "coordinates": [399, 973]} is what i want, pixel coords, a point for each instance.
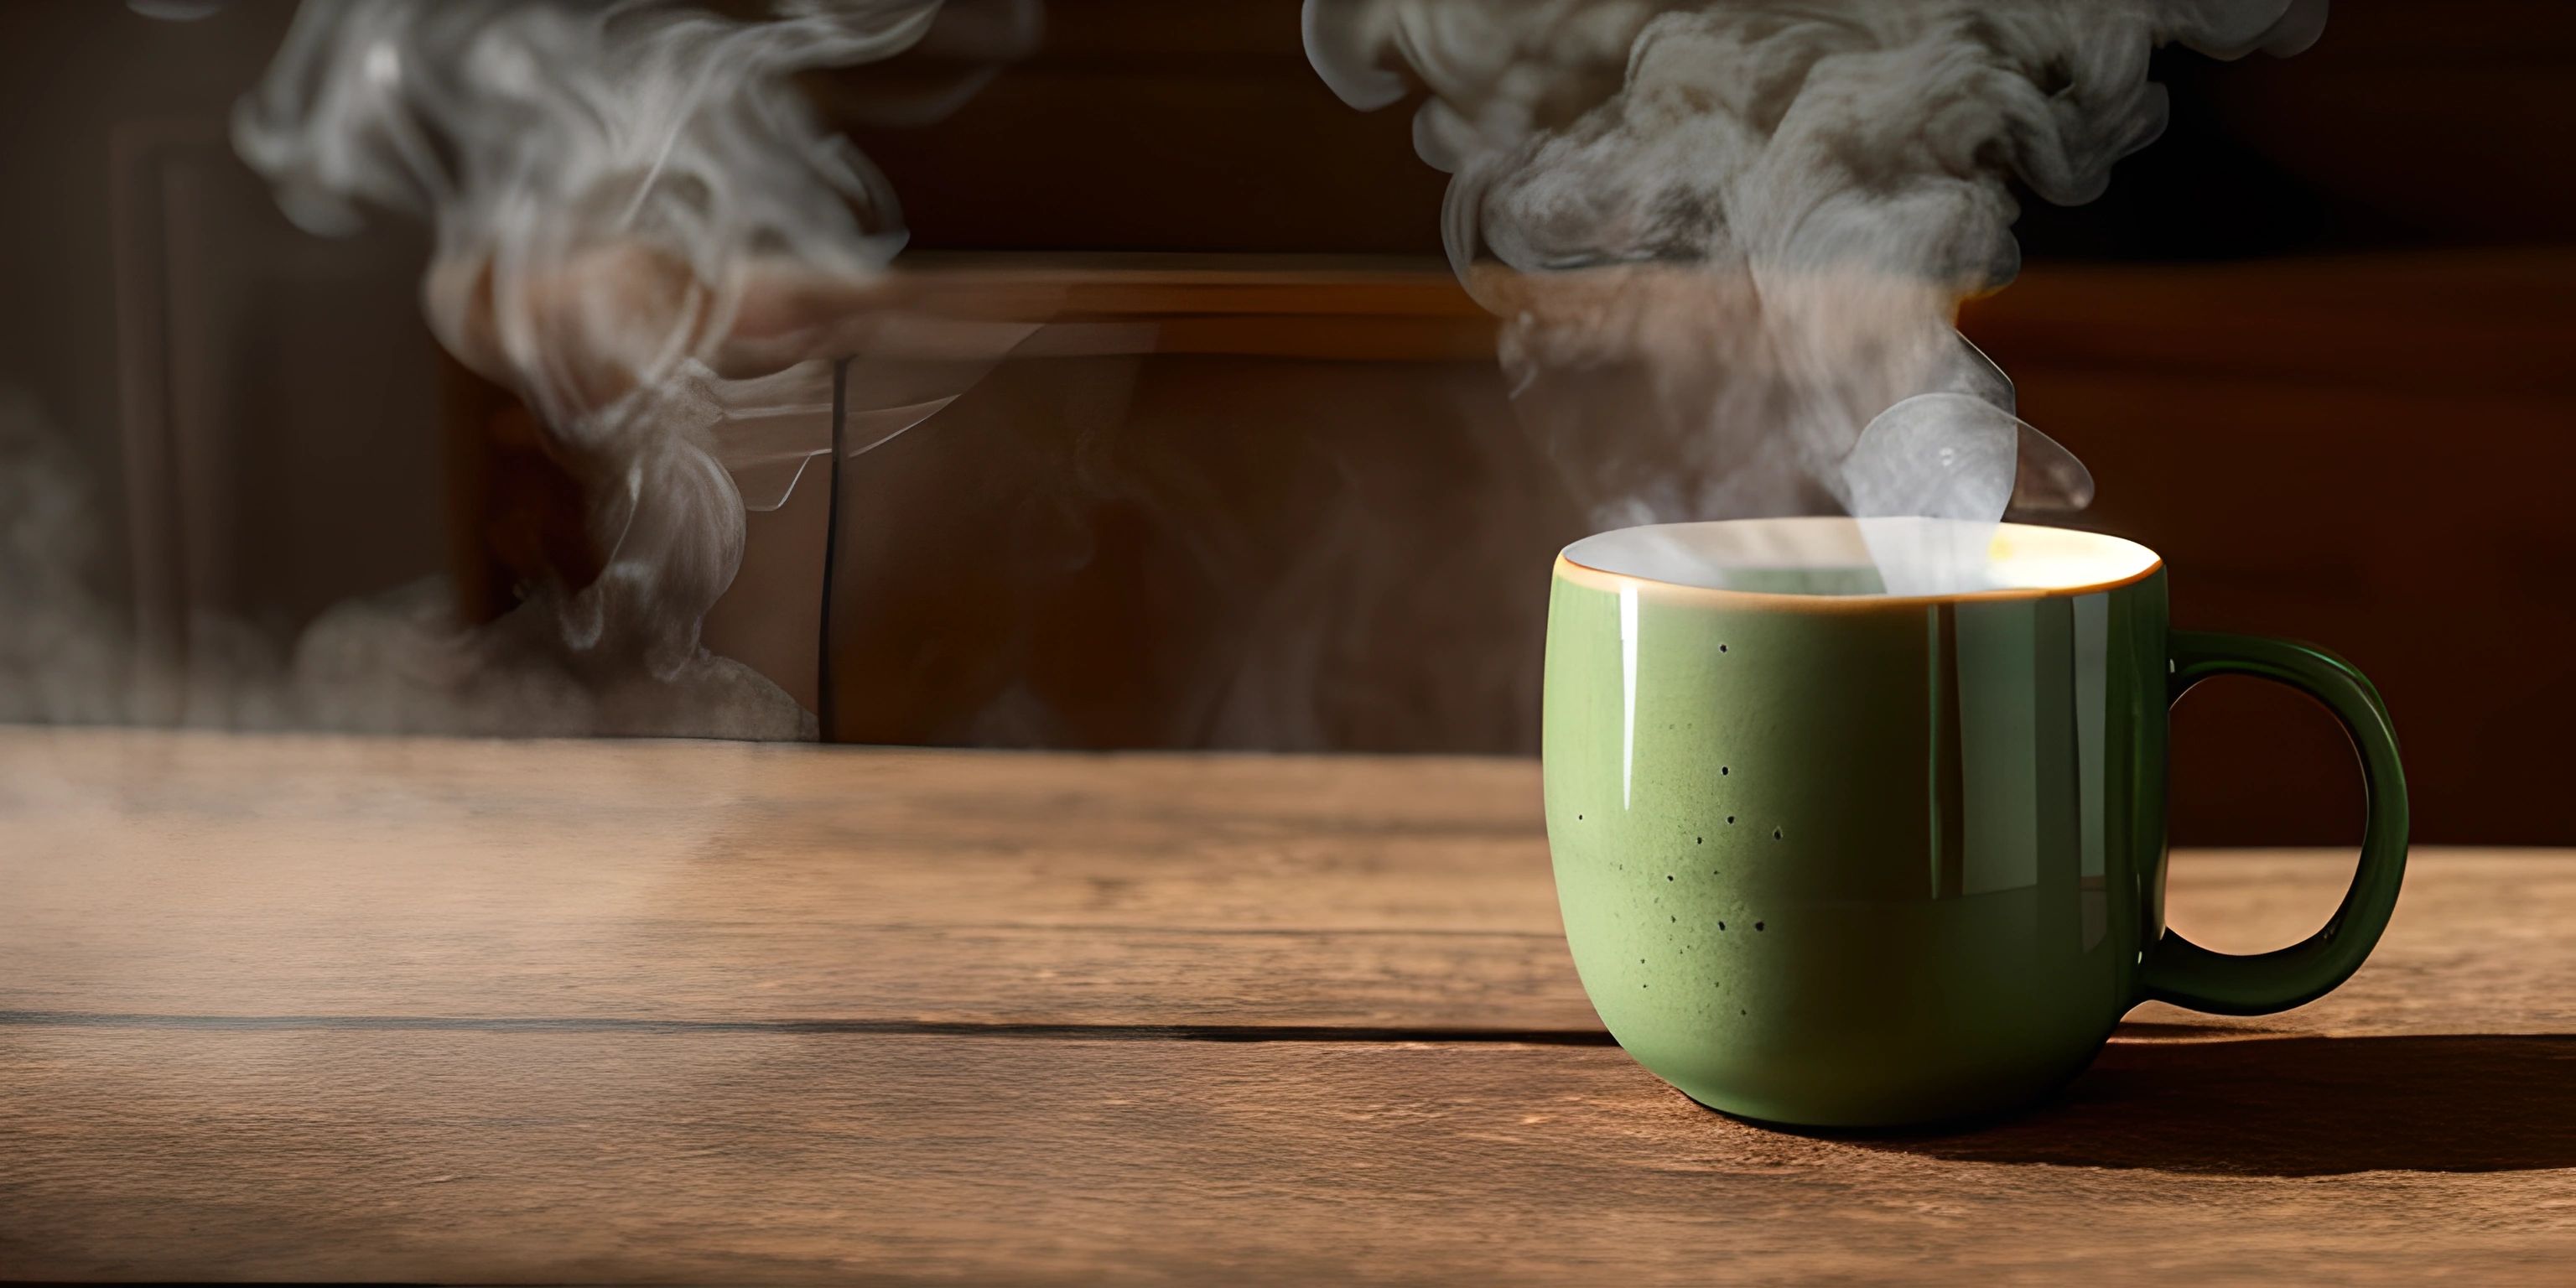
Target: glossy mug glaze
{"type": "Point", "coordinates": [1833, 857]}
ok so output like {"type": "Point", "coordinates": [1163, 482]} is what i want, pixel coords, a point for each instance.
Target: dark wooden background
{"type": "Point", "coordinates": [2313, 345]}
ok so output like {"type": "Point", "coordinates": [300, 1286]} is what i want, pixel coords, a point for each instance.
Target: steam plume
{"type": "Point", "coordinates": [63, 656]}
{"type": "Point", "coordinates": [632, 204]}
{"type": "Point", "coordinates": [1740, 229]}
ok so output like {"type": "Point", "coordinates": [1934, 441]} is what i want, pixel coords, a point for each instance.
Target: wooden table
{"type": "Point", "coordinates": [320, 1008]}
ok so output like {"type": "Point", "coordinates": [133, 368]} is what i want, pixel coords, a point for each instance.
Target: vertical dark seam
{"type": "Point", "coordinates": [823, 704]}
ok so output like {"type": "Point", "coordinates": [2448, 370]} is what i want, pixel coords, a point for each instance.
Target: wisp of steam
{"type": "Point", "coordinates": [1740, 230]}
{"type": "Point", "coordinates": [633, 206]}
{"type": "Point", "coordinates": [643, 231]}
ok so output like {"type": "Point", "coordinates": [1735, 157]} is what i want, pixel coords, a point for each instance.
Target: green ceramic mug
{"type": "Point", "coordinates": [1833, 857]}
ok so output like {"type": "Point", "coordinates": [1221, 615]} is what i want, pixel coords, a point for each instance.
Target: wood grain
{"type": "Point", "coordinates": [556, 1156]}
{"type": "Point", "coordinates": [713, 880]}
{"type": "Point", "coordinates": [209, 874]}
{"type": "Point", "coordinates": [294, 1007]}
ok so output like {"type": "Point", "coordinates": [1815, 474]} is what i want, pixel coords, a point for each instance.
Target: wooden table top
{"type": "Point", "coordinates": [284, 1007]}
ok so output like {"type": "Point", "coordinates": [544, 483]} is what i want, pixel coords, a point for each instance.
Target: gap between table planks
{"type": "Point", "coordinates": [310, 1007]}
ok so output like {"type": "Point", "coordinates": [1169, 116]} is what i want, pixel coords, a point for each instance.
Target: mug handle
{"type": "Point", "coordinates": [2186, 974]}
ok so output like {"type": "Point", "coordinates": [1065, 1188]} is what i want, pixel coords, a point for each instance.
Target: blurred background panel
{"type": "Point", "coordinates": [1257, 483]}
{"type": "Point", "coordinates": [256, 408]}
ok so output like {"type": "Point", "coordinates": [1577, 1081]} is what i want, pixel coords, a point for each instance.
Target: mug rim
{"type": "Point", "coordinates": [1571, 569]}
